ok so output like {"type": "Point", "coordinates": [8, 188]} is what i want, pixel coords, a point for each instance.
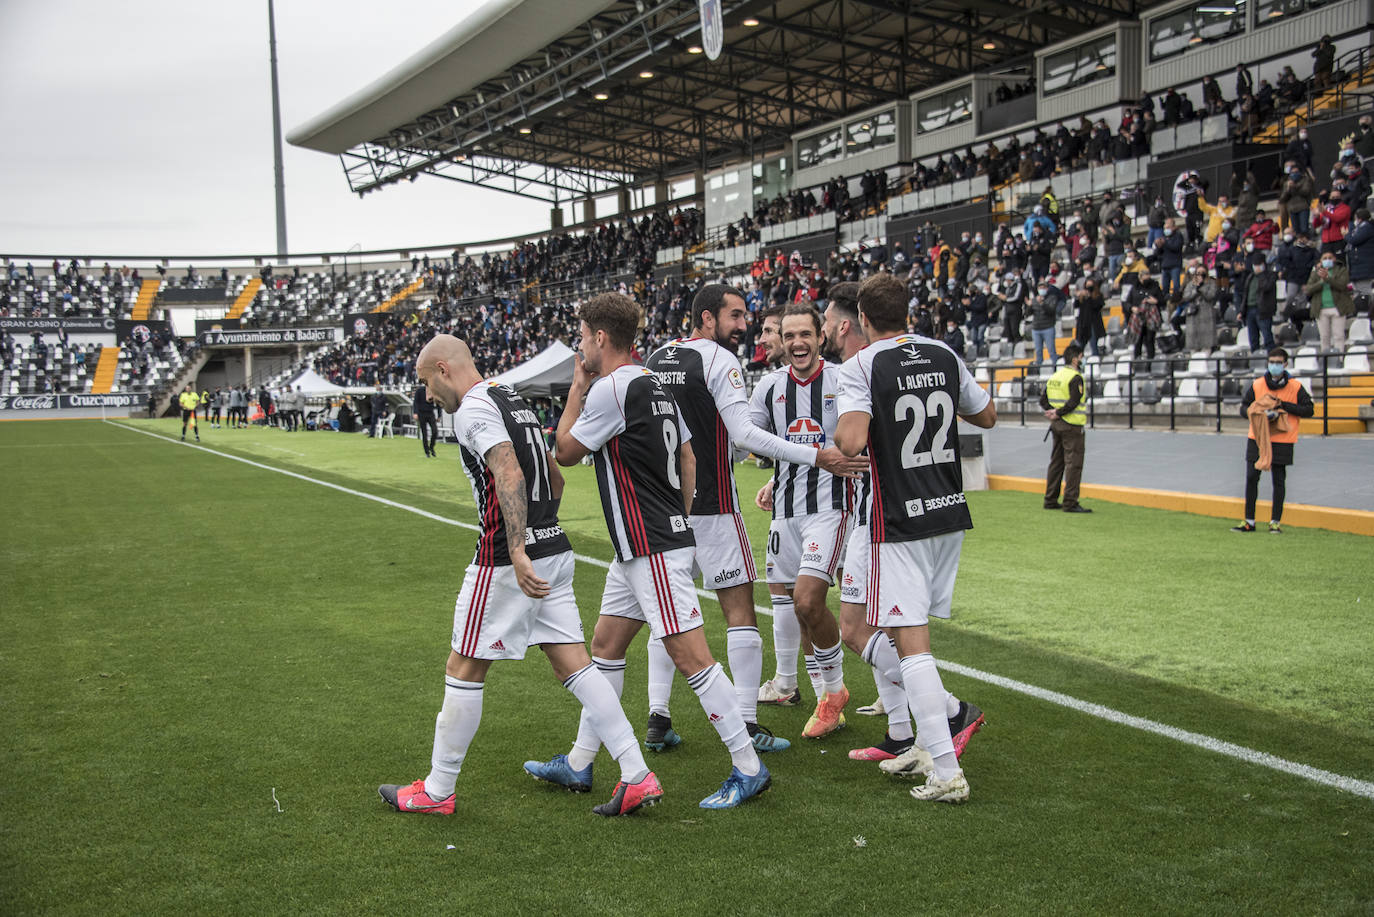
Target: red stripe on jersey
{"type": "Point", "coordinates": [722, 465]}
{"type": "Point", "coordinates": [668, 609]}
{"type": "Point", "coordinates": [744, 546]}
{"type": "Point", "coordinates": [477, 607]}
{"type": "Point", "coordinates": [875, 506]}
{"type": "Point", "coordinates": [486, 552]}
{"type": "Point", "coordinates": [629, 505]}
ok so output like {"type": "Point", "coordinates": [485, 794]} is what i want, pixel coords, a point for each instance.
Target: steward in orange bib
{"type": "Point", "coordinates": [1273, 404]}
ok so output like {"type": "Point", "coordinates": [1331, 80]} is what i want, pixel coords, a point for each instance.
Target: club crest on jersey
{"type": "Point", "coordinates": [807, 432]}
{"type": "Point", "coordinates": [914, 355]}
{"type": "Point", "coordinates": [828, 403]}
{"type": "Point", "coordinates": [736, 379]}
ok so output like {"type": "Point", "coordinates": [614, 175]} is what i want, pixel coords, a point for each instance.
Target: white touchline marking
{"type": "Point", "coordinates": [1363, 788]}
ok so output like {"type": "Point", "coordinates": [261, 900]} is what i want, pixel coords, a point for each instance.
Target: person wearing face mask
{"type": "Point", "coordinates": [1273, 404]}
{"type": "Point", "coordinates": [1257, 300]}
{"type": "Point", "coordinates": [1217, 214]}
{"type": "Point", "coordinates": [1299, 150]}
{"type": "Point", "coordinates": [1043, 320]}
{"type": "Point", "coordinates": [1364, 137]}
{"type": "Point", "coordinates": [1357, 186]}
{"type": "Point", "coordinates": [1259, 236]}
{"type": "Point", "coordinates": [1294, 258]}
{"type": "Point", "coordinates": [1131, 266]}
{"type": "Point", "coordinates": [1169, 248]}
{"type": "Point", "coordinates": [1332, 219]}
{"type": "Point", "coordinates": [1145, 303]}
{"type": "Point", "coordinates": [1088, 328]}
{"type": "Point", "coordinates": [1328, 291]}
{"type": "Point", "coordinates": [1295, 198]}
{"type": "Point", "coordinates": [1116, 234]}
{"type": "Point", "coordinates": [1063, 404]}
{"type": "Point", "coordinates": [1199, 301]}
{"type": "Point", "coordinates": [1359, 252]}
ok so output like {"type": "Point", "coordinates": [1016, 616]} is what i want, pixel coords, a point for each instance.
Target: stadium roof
{"type": "Point", "coordinates": [558, 99]}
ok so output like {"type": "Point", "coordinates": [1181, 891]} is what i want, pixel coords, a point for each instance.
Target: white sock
{"type": "Point", "coordinates": [831, 663]}
{"type": "Point", "coordinates": [454, 728]}
{"type": "Point", "coordinates": [951, 706]}
{"type": "Point", "coordinates": [926, 695]}
{"type": "Point", "coordinates": [887, 675]}
{"type": "Point", "coordinates": [786, 641]}
{"type": "Point", "coordinates": [714, 691]}
{"type": "Point", "coordinates": [661, 669]}
{"type": "Point", "coordinates": [588, 740]}
{"type": "Point", "coordinates": [813, 674]}
{"type": "Point", "coordinates": [601, 705]}
{"type": "Point", "coordinates": [744, 650]}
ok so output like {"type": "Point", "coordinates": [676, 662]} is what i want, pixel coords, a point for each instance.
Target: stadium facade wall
{"type": "Point", "coordinates": [1254, 44]}
{"type": "Point", "coordinates": [1123, 87]}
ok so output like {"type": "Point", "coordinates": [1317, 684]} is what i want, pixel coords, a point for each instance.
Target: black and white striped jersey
{"type": "Point", "coordinates": [634, 428]}
{"type": "Point", "coordinates": [801, 411]}
{"type": "Point", "coordinates": [913, 388]}
{"type": "Point", "coordinates": [703, 377]}
{"type": "Point", "coordinates": [492, 413]}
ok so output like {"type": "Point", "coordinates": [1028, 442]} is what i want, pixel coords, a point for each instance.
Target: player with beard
{"type": "Point", "coordinates": [899, 398]}
{"type": "Point", "coordinates": [771, 338]}
{"type": "Point", "coordinates": [810, 522]}
{"type": "Point", "coordinates": [844, 338]}
{"type": "Point", "coordinates": [703, 374]}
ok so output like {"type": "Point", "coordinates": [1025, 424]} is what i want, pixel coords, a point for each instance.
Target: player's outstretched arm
{"type": "Point", "coordinates": [851, 433]}
{"type": "Point", "coordinates": [510, 494]}
{"type": "Point", "coordinates": [566, 448]}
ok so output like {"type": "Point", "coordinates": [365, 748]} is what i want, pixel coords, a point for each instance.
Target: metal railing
{"type": "Point", "coordinates": [1158, 388]}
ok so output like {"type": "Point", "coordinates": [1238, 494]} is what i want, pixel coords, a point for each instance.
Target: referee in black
{"type": "Point", "coordinates": [423, 409]}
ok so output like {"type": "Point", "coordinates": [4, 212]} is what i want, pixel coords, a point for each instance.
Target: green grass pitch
{"type": "Point", "coordinates": [183, 634]}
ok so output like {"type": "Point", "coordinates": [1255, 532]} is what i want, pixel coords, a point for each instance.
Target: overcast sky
{"type": "Point", "coordinates": [145, 128]}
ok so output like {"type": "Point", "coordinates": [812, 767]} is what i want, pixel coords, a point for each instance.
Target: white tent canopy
{"type": "Point", "coordinates": [536, 377]}
{"type": "Point", "coordinates": [313, 384]}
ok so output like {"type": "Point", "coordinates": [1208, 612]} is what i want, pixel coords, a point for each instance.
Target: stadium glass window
{"type": "Point", "coordinates": [1077, 66]}
{"type": "Point", "coordinates": [945, 109]}
{"type": "Point", "coordinates": [819, 149]}
{"type": "Point", "coordinates": [871, 133]}
{"type": "Point", "coordinates": [1268, 12]}
{"type": "Point", "coordinates": [1203, 24]}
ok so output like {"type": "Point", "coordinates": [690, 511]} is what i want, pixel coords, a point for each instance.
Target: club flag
{"type": "Point", "coordinates": [712, 28]}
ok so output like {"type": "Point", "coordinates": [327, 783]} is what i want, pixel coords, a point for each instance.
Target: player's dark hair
{"type": "Point", "coordinates": [773, 312]}
{"type": "Point", "coordinates": [616, 314]}
{"type": "Point", "coordinates": [845, 297]}
{"type": "Point", "coordinates": [804, 309]}
{"type": "Point", "coordinates": [883, 299]}
{"type": "Point", "coordinates": [711, 298]}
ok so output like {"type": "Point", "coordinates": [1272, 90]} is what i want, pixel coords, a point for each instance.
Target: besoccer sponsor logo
{"type": "Point", "coordinates": [498, 646]}
{"type": "Point", "coordinates": [915, 508]}
{"type": "Point", "coordinates": [947, 500]}
{"type": "Point", "coordinates": [807, 432]}
{"type": "Point", "coordinates": [725, 576]}
{"type": "Point", "coordinates": [679, 523]}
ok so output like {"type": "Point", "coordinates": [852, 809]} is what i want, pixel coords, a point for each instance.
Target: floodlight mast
{"type": "Point", "coordinates": [276, 137]}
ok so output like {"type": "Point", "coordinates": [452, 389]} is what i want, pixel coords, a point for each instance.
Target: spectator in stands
{"type": "Point", "coordinates": [1169, 248]}
{"type": "Point", "coordinates": [1212, 98]}
{"type": "Point", "coordinates": [1220, 216]}
{"type": "Point", "coordinates": [1159, 213]}
{"type": "Point", "coordinates": [1088, 325]}
{"type": "Point", "coordinates": [1245, 83]}
{"type": "Point", "coordinates": [1116, 233]}
{"type": "Point", "coordinates": [1259, 236]}
{"type": "Point", "coordinates": [1173, 108]}
{"type": "Point", "coordinates": [1199, 298]}
{"type": "Point", "coordinates": [1039, 248]}
{"type": "Point", "coordinates": [1043, 319]}
{"type": "Point", "coordinates": [1332, 218]}
{"type": "Point", "coordinates": [1328, 290]}
{"type": "Point", "coordinates": [1357, 187]}
{"type": "Point", "coordinates": [1299, 150]}
{"type": "Point", "coordinates": [954, 337]}
{"type": "Point", "coordinates": [1145, 303]}
{"type": "Point", "coordinates": [1359, 253]}
{"type": "Point", "coordinates": [1295, 197]}
{"type": "Point", "coordinates": [1256, 300]}
{"type": "Point", "coordinates": [379, 409]}
{"type": "Point", "coordinates": [1323, 62]}
{"type": "Point", "coordinates": [1132, 266]}
{"type": "Point", "coordinates": [1245, 192]}
{"type": "Point", "coordinates": [1013, 296]}
{"type": "Point", "coordinates": [1294, 258]}
{"type": "Point", "coordinates": [976, 313]}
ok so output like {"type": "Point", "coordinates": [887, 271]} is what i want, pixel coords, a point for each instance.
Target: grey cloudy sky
{"type": "Point", "coordinates": [145, 128]}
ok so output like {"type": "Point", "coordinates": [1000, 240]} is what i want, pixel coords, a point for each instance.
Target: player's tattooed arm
{"type": "Point", "coordinates": [510, 494]}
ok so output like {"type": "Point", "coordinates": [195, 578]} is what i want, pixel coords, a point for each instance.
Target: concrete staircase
{"type": "Point", "coordinates": [245, 299]}
{"type": "Point", "coordinates": [105, 369]}
{"type": "Point", "coordinates": [147, 292]}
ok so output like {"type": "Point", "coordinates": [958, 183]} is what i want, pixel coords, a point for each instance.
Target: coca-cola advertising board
{"type": "Point", "coordinates": [71, 402]}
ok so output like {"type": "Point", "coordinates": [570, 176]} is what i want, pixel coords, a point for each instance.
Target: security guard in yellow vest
{"type": "Point", "coordinates": [189, 401]}
{"type": "Point", "coordinates": [1062, 402]}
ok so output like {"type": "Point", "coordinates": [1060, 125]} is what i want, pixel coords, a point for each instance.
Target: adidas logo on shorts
{"type": "Point", "coordinates": [695, 614]}
{"type": "Point", "coordinates": [715, 717]}
{"type": "Point", "coordinates": [895, 612]}
{"type": "Point", "coordinates": [498, 646]}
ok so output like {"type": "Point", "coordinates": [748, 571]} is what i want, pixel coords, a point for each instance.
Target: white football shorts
{"type": "Point", "coordinates": [910, 582]}
{"type": "Point", "coordinates": [724, 557]}
{"type": "Point", "coordinates": [812, 544]}
{"type": "Point", "coordinates": [494, 619]}
{"type": "Point", "coordinates": [656, 589]}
